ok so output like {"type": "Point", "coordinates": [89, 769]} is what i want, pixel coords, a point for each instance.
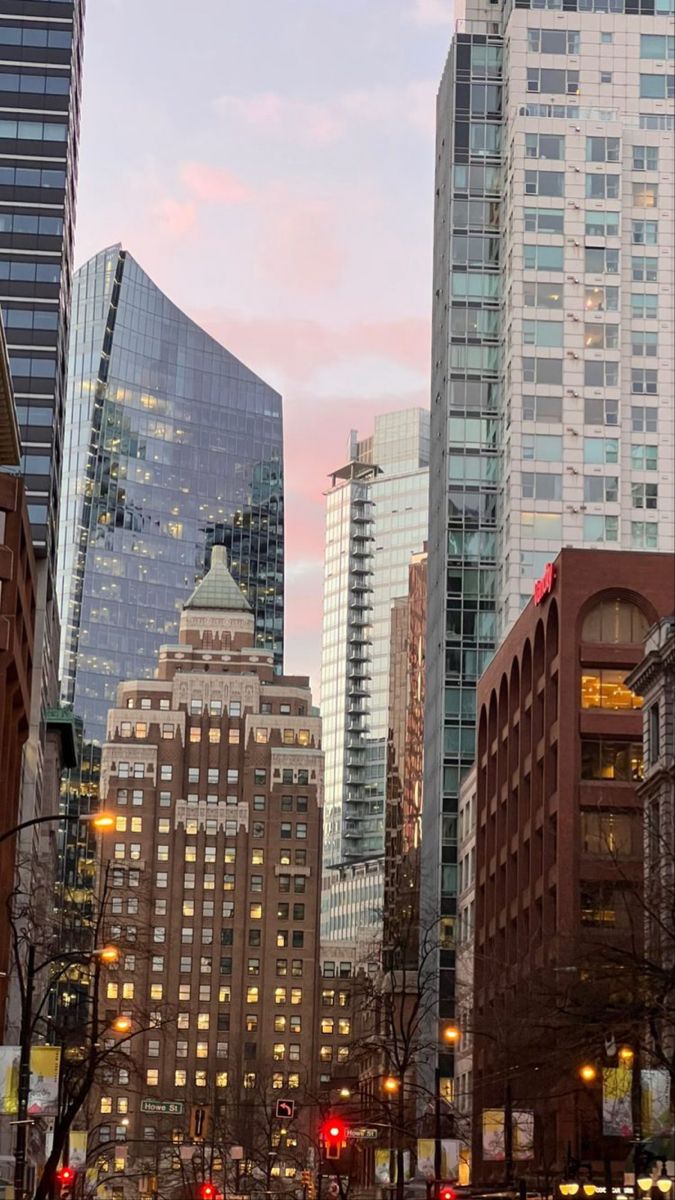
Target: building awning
{"type": "Point", "coordinates": [63, 721]}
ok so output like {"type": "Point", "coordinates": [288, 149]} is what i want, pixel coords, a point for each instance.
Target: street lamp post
{"type": "Point", "coordinates": [103, 954]}
{"type": "Point", "coordinates": [100, 821]}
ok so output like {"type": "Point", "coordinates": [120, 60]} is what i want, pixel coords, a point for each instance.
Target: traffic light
{"type": "Point", "coordinates": [445, 1191]}
{"type": "Point", "coordinates": [200, 1116]}
{"type": "Point", "coordinates": [334, 1136]}
{"type": "Point", "coordinates": [65, 1177]}
{"type": "Point", "coordinates": [208, 1190]}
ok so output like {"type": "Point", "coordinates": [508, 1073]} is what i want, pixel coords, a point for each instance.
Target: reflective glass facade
{"type": "Point", "coordinates": [376, 518]}
{"type": "Point", "coordinates": [172, 445]}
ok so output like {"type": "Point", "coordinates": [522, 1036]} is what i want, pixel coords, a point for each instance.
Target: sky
{"type": "Point", "coordinates": [269, 163]}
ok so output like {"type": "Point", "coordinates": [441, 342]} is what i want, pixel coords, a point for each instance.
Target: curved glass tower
{"type": "Point", "coordinates": [171, 445]}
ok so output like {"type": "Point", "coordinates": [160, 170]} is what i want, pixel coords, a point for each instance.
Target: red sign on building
{"type": "Point", "coordinates": [544, 586]}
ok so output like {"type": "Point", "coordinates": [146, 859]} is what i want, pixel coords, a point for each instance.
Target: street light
{"type": "Point", "coordinates": [451, 1035]}
{"type": "Point", "coordinates": [391, 1085]}
{"type": "Point", "coordinates": [626, 1054]}
{"type": "Point", "coordinates": [100, 821]}
{"type": "Point", "coordinates": [122, 1024]}
{"type": "Point", "coordinates": [344, 1093]}
{"type": "Point", "coordinates": [103, 954]}
{"type": "Point", "coordinates": [588, 1073]}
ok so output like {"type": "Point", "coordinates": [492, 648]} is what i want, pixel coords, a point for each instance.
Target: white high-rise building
{"type": "Point", "coordinates": [552, 393]}
{"type": "Point", "coordinates": [376, 517]}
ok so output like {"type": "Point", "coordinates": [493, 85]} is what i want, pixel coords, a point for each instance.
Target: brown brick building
{"type": "Point", "coordinates": [214, 773]}
{"type": "Point", "coordinates": [559, 840]}
{"type": "Point", "coordinates": [17, 637]}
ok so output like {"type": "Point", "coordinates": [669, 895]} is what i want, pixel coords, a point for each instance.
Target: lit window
{"type": "Point", "coordinates": [152, 1077]}
{"type": "Point", "coordinates": [605, 688]}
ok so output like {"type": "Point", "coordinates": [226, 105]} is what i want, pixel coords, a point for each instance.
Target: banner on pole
{"type": "Point", "coordinates": [656, 1117]}
{"type": "Point", "coordinates": [523, 1134]}
{"type": "Point", "coordinates": [9, 1080]}
{"type": "Point", "coordinates": [617, 1107]}
{"type": "Point", "coordinates": [43, 1092]}
{"type": "Point", "coordinates": [78, 1149]}
{"type": "Point", "coordinates": [494, 1149]}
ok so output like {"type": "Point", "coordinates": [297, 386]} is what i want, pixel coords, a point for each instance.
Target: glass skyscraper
{"type": "Point", "coordinates": [552, 390]}
{"type": "Point", "coordinates": [40, 81]}
{"type": "Point", "coordinates": [172, 445]}
{"type": "Point", "coordinates": [376, 517]}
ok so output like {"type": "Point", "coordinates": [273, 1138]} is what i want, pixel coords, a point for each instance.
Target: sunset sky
{"type": "Point", "coordinates": [270, 164]}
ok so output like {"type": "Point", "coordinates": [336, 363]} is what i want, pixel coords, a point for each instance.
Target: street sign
{"type": "Point", "coordinates": [173, 1108]}
{"type": "Point", "coordinates": [362, 1133]}
{"type": "Point", "coordinates": [285, 1110]}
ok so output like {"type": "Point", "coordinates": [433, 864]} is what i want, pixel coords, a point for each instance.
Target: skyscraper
{"type": "Point", "coordinates": [172, 446]}
{"type": "Point", "coordinates": [40, 84]}
{"type": "Point", "coordinates": [552, 393]}
{"type": "Point", "coordinates": [376, 517]}
{"type": "Point", "coordinates": [40, 80]}
{"type": "Point", "coordinates": [214, 772]}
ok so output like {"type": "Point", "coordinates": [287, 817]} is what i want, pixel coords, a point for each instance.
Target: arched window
{"type": "Point", "coordinates": [615, 620]}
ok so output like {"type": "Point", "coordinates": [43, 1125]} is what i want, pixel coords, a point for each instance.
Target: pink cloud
{"type": "Point", "coordinates": [213, 185]}
{"type": "Point", "coordinates": [177, 217]}
{"type": "Point", "coordinates": [298, 247]}
{"type": "Point", "coordinates": [323, 122]}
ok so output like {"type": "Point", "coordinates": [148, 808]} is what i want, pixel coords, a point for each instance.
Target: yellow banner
{"type": "Point", "coordinates": [43, 1095]}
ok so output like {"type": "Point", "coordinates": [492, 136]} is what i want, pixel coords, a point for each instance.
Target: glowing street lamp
{"type": "Point", "coordinates": [108, 954]}
{"type": "Point", "coordinates": [626, 1054]}
{"type": "Point", "coordinates": [390, 1084]}
{"type": "Point", "coordinates": [588, 1074]}
{"type": "Point", "coordinates": [451, 1035]}
{"type": "Point", "coordinates": [122, 1024]}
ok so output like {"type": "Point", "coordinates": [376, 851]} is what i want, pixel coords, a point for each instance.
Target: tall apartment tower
{"type": "Point", "coordinates": [376, 517]}
{"type": "Point", "coordinates": [40, 85]}
{"type": "Point", "coordinates": [214, 772]}
{"type": "Point", "coordinates": [172, 446]}
{"type": "Point", "coordinates": [552, 392]}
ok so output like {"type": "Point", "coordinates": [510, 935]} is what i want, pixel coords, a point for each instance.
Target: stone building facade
{"type": "Point", "coordinates": [214, 773]}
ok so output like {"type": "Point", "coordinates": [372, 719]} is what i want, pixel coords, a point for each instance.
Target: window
{"type": "Point", "coordinates": [644, 343]}
{"type": "Point", "coordinates": [644, 495]}
{"type": "Point", "coordinates": [601, 489]}
{"type": "Point", "coordinates": [602, 224]}
{"type": "Point", "coordinates": [544, 220]}
{"type": "Point", "coordinates": [603, 187]}
{"type": "Point", "coordinates": [603, 149]}
{"type": "Point", "coordinates": [604, 688]}
{"type": "Point", "coordinates": [644, 420]}
{"type": "Point", "coordinates": [601, 260]}
{"type": "Point", "coordinates": [554, 41]}
{"type": "Point", "coordinates": [542, 408]}
{"type": "Point", "coordinates": [644, 381]}
{"type": "Point", "coordinates": [550, 80]}
{"type": "Point", "coordinates": [644, 458]}
{"type": "Point", "coordinates": [543, 258]}
{"type": "Point", "coordinates": [544, 183]}
{"type": "Point", "coordinates": [645, 270]}
{"type": "Point", "coordinates": [654, 733]}
{"type": "Point", "coordinates": [601, 374]}
{"type": "Point", "coordinates": [644, 306]}
{"type": "Point", "coordinates": [601, 299]}
{"type": "Point", "coordinates": [656, 45]}
{"type": "Point", "coordinates": [604, 906]}
{"type": "Point", "coordinates": [652, 87]}
{"type": "Point", "coordinates": [601, 337]}
{"type": "Point", "coordinates": [605, 76]}
{"type": "Point", "coordinates": [152, 1077]}
{"type": "Point", "coordinates": [645, 158]}
{"type": "Point", "coordinates": [542, 525]}
{"type": "Point", "coordinates": [645, 233]}
{"type": "Point", "coordinates": [544, 145]}
{"type": "Point", "coordinates": [543, 295]}
{"type": "Point", "coordinates": [616, 760]}
{"type": "Point", "coordinates": [485, 138]}
{"type": "Point", "coordinates": [542, 447]}
{"type": "Point", "coordinates": [166, 771]}
{"type": "Point", "coordinates": [601, 450]}
{"type": "Point", "coordinates": [644, 535]}
{"type": "Point", "coordinates": [542, 370]}
{"type": "Point", "coordinates": [645, 195]}
{"type": "Point", "coordinates": [541, 487]}
{"type": "Point", "coordinates": [609, 835]}
{"type": "Point", "coordinates": [328, 997]}
{"type": "Point", "coordinates": [601, 529]}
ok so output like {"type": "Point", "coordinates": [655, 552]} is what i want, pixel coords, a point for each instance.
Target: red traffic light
{"type": "Point", "coordinates": [334, 1136]}
{"type": "Point", "coordinates": [65, 1176]}
{"type": "Point", "coordinates": [208, 1191]}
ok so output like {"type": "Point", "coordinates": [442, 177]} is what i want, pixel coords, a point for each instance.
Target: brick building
{"type": "Point", "coordinates": [558, 841]}
{"type": "Point", "coordinates": [215, 774]}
